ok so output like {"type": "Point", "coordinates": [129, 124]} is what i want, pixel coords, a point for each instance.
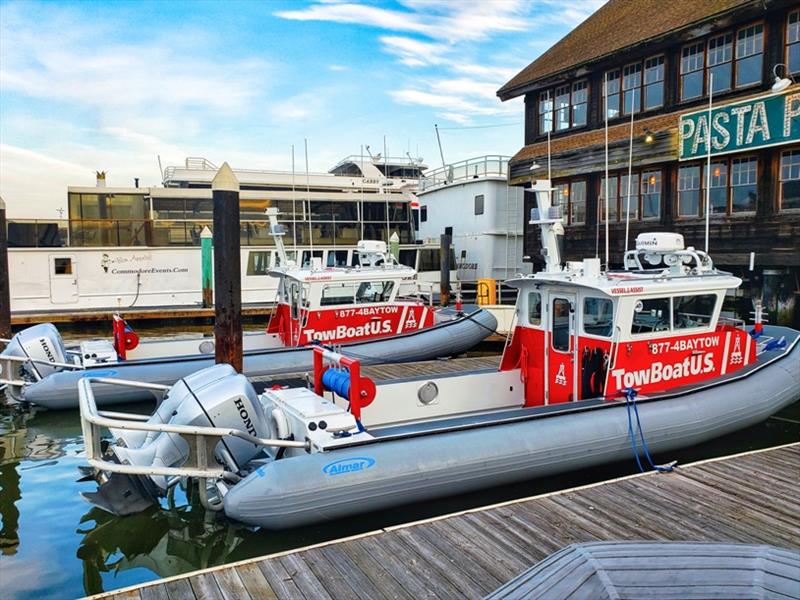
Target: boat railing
{"type": "Point", "coordinates": [7, 371]}
{"type": "Point", "coordinates": [201, 441]}
{"type": "Point", "coordinates": [734, 322]}
{"type": "Point", "coordinates": [492, 165]}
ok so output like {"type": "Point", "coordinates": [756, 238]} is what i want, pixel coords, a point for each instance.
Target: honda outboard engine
{"type": "Point", "coordinates": [42, 343]}
{"type": "Point", "coordinates": [213, 397]}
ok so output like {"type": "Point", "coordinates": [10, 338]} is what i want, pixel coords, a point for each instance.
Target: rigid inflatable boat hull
{"type": "Point", "coordinates": [323, 486]}
{"type": "Point", "coordinates": [60, 390]}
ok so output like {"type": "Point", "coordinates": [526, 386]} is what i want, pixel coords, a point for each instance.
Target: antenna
{"type": "Point", "coordinates": [708, 155]}
{"type": "Point", "coordinates": [605, 92]}
{"type": "Point", "coordinates": [160, 168]}
{"type": "Point", "coordinates": [294, 210]}
{"type": "Point", "coordinates": [439, 141]}
{"type": "Point", "coordinates": [630, 176]}
{"type": "Point", "coordinates": [308, 200]}
{"type": "Point", "coordinates": [385, 176]}
{"type": "Point", "coordinates": [368, 152]}
{"type": "Point", "coordinates": [549, 170]}
{"type": "Point", "coordinates": [361, 166]}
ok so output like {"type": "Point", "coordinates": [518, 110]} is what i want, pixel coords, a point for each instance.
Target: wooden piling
{"type": "Point", "coordinates": [227, 269]}
{"type": "Point", "coordinates": [206, 253]}
{"type": "Point", "coordinates": [444, 263]}
{"type": "Point", "coordinates": [5, 293]}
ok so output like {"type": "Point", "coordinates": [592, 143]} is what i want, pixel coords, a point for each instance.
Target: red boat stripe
{"type": "Point", "coordinates": [424, 316]}
{"type": "Point", "coordinates": [725, 354]}
{"type": "Point", "coordinates": [402, 319]}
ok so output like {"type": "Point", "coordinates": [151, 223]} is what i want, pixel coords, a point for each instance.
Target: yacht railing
{"type": "Point", "coordinates": [491, 165]}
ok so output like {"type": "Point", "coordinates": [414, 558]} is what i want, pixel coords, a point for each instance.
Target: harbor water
{"type": "Point", "coordinates": [53, 544]}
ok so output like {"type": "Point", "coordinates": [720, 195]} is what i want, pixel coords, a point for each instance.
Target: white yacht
{"type": "Point", "coordinates": [138, 247]}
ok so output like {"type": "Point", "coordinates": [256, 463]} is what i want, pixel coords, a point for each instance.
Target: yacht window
{"type": "Point", "coordinates": [374, 291]}
{"type": "Point", "coordinates": [408, 258]}
{"type": "Point", "coordinates": [693, 311]}
{"type": "Point", "coordinates": [479, 204]}
{"type": "Point", "coordinates": [338, 293]}
{"type": "Point", "coordinates": [650, 315]}
{"type": "Point", "coordinates": [307, 255]}
{"type": "Point", "coordinates": [258, 263]}
{"type": "Point", "coordinates": [561, 325]}
{"type": "Point", "coordinates": [423, 214]}
{"type": "Point", "coordinates": [337, 258]}
{"type": "Point", "coordinates": [62, 266]}
{"type": "Point", "coordinates": [598, 316]}
{"type": "Point", "coordinates": [429, 259]}
{"type": "Point", "coordinates": [534, 308]}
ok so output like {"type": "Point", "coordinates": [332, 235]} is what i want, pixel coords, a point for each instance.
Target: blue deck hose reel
{"type": "Point", "coordinates": [338, 382]}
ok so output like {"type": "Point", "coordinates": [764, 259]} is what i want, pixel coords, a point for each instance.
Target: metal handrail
{"type": "Point", "coordinates": [202, 441]}
{"type": "Point", "coordinates": [471, 168]}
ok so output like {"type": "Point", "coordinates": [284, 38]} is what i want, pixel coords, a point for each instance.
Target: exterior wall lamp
{"type": "Point", "coordinates": [648, 136]}
{"type": "Point", "coordinates": [781, 83]}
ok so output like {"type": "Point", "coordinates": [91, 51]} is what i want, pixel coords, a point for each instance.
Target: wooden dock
{"type": "Point", "coordinates": [752, 497]}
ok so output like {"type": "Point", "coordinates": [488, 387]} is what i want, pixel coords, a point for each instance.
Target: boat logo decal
{"type": "Point", "coordinates": [736, 355]}
{"type": "Point", "coordinates": [561, 378]}
{"type": "Point", "coordinates": [348, 465]}
{"type": "Point", "coordinates": [657, 371]}
{"type": "Point", "coordinates": [93, 373]}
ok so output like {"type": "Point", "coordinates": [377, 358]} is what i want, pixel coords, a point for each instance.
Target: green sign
{"type": "Point", "coordinates": [755, 123]}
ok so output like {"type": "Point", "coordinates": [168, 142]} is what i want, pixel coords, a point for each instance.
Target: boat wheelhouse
{"type": "Point", "coordinates": [599, 363]}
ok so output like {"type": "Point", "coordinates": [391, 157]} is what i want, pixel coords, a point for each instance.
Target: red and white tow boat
{"type": "Point", "coordinates": [602, 365]}
{"type": "Point", "coordinates": [364, 309]}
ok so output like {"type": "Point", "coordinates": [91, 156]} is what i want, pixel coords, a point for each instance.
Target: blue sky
{"type": "Point", "coordinates": [111, 86]}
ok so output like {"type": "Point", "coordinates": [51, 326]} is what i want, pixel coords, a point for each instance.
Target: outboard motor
{"type": "Point", "coordinates": [42, 343]}
{"type": "Point", "coordinates": [214, 397]}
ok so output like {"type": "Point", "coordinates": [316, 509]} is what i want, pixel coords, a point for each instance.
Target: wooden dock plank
{"type": "Point", "coordinates": [750, 498]}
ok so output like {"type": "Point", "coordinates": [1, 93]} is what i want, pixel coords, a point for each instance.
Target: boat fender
{"type": "Point", "coordinates": [278, 425]}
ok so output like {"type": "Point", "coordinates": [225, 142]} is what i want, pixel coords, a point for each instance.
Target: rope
{"type": "Point", "coordinates": [630, 402]}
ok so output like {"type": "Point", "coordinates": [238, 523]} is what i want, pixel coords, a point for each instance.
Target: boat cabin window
{"type": "Point", "coordinates": [62, 266]}
{"type": "Point", "coordinates": [291, 256]}
{"type": "Point", "coordinates": [258, 263]}
{"type": "Point", "coordinates": [337, 258]}
{"type": "Point", "coordinates": [374, 291]}
{"type": "Point", "coordinates": [598, 316]}
{"type": "Point", "coordinates": [693, 311]}
{"type": "Point", "coordinates": [534, 308]}
{"type": "Point", "coordinates": [308, 254]}
{"type": "Point", "coordinates": [651, 315]}
{"type": "Point", "coordinates": [294, 299]}
{"type": "Point", "coordinates": [561, 324]}
{"type": "Point", "coordinates": [338, 293]}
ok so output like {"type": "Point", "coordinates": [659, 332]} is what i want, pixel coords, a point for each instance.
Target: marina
{"type": "Point", "coordinates": [557, 363]}
{"type": "Point", "coordinates": [744, 498]}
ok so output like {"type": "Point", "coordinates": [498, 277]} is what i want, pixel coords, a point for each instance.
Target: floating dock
{"type": "Point", "coordinates": [746, 498]}
{"type": "Point", "coordinates": [183, 313]}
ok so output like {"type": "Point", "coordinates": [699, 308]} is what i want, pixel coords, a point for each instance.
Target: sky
{"type": "Point", "coordinates": [113, 86]}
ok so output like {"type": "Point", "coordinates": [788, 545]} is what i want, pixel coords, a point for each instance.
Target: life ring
{"type": "Point", "coordinates": [278, 424]}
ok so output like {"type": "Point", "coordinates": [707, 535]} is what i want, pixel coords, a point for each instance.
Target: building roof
{"type": "Point", "coordinates": [617, 25]}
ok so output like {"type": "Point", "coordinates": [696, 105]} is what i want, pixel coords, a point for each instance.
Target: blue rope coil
{"type": "Point", "coordinates": [630, 403]}
{"type": "Point", "coordinates": [338, 382]}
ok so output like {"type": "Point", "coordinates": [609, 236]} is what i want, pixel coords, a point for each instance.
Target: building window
{"type": "Point", "coordinates": [580, 100]}
{"type": "Point", "coordinates": [479, 204]}
{"type": "Point", "coordinates": [733, 187]}
{"type": "Point", "coordinates": [654, 82]}
{"type": "Point", "coordinates": [719, 188]}
{"type": "Point", "coordinates": [689, 191]}
{"type": "Point", "coordinates": [743, 184]}
{"type": "Point", "coordinates": [612, 88]}
{"type": "Point", "coordinates": [793, 41]}
{"type": "Point", "coordinates": [577, 202]}
{"type": "Point", "coordinates": [720, 62]}
{"type": "Point", "coordinates": [631, 89]}
{"type": "Point", "coordinates": [629, 204]}
{"type": "Point", "coordinates": [612, 191]}
{"type": "Point", "coordinates": [423, 214]}
{"type": "Point", "coordinates": [563, 107]}
{"type": "Point", "coordinates": [651, 194]}
{"type": "Point", "coordinates": [546, 111]}
{"type": "Point", "coordinates": [749, 54]}
{"type": "Point", "coordinates": [790, 179]}
{"type": "Point", "coordinates": [692, 59]}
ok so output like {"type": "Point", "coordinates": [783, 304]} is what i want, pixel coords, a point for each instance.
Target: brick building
{"type": "Point", "coordinates": [658, 60]}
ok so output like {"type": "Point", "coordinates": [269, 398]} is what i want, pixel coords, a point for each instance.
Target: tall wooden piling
{"type": "Point", "coordinates": [206, 260]}
{"type": "Point", "coordinates": [444, 263]}
{"type": "Point", "coordinates": [227, 269]}
{"type": "Point", "coordinates": [5, 293]}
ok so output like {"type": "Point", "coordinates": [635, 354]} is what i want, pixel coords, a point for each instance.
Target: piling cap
{"type": "Point", "coordinates": [225, 180]}
{"type": "Point", "coordinates": [206, 233]}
